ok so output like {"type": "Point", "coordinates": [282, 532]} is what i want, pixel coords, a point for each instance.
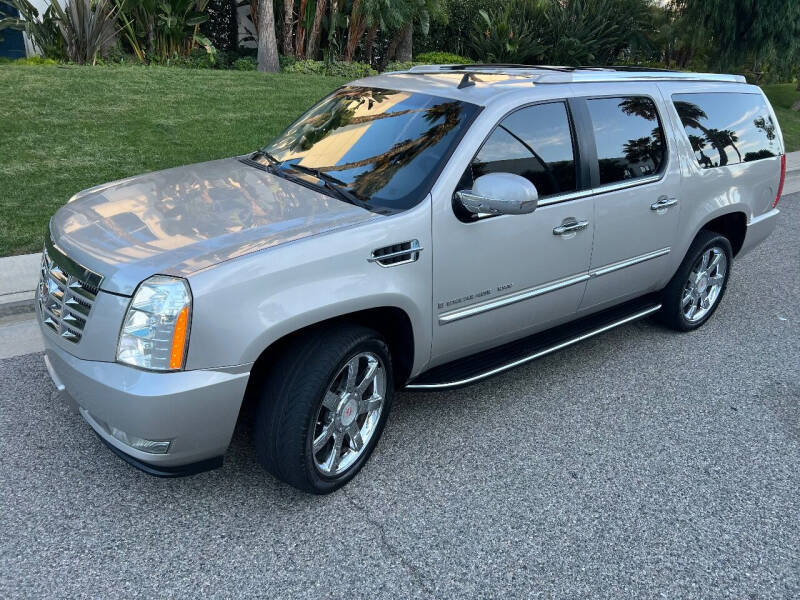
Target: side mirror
{"type": "Point", "coordinates": [500, 194]}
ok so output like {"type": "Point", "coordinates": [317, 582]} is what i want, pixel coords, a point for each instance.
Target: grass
{"type": "Point", "coordinates": [66, 128]}
{"type": "Point", "coordinates": [782, 96]}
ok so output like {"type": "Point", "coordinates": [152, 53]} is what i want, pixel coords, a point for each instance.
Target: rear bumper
{"type": "Point", "coordinates": [758, 229]}
{"type": "Point", "coordinates": [195, 411]}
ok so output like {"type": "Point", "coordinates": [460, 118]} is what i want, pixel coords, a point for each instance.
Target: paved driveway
{"type": "Point", "coordinates": [640, 463]}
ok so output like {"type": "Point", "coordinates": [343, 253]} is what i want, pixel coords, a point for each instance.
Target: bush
{"type": "Point", "coordinates": [30, 61]}
{"type": "Point", "coordinates": [353, 70]}
{"type": "Point", "coordinates": [442, 58]}
{"type": "Point", "coordinates": [245, 63]}
{"type": "Point", "coordinates": [400, 66]}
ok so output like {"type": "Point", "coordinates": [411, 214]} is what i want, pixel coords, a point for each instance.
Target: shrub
{"type": "Point", "coordinates": [442, 58]}
{"type": "Point", "coordinates": [245, 63]}
{"type": "Point", "coordinates": [30, 61]}
{"type": "Point", "coordinates": [353, 70]}
{"type": "Point", "coordinates": [400, 66]}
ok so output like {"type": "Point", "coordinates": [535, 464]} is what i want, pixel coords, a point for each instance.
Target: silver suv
{"type": "Point", "coordinates": [418, 230]}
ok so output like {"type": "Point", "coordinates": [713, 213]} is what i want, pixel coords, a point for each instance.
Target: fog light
{"type": "Point", "coordinates": [149, 446]}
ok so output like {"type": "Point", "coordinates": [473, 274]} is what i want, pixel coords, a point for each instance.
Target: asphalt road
{"type": "Point", "coordinates": [641, 463]}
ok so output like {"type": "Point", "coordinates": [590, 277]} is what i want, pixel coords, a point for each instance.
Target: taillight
{"type": "Point", "coordinates": [780, 183]}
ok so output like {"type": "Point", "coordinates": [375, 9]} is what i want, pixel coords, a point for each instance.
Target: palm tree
{"type": "Point", "coordinates": [691, 115]}
{"type": "Point", "coordinates": [267, 44]}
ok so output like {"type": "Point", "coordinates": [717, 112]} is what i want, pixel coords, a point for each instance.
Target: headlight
{"type": "Point", "coordinates": [156, 327]}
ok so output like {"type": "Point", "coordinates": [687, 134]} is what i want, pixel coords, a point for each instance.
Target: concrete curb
{"type": "Point", "coordinates": [19, 274]}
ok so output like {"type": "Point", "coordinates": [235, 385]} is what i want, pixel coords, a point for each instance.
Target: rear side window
{"type": "Point", "coordinates": [727, 128]}
{"type": "Point", "coordinates": [629, 138]}
{"type": "Point", "coordinates": [536, 143]}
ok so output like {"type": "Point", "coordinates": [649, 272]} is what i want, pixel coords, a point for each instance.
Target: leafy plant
{"type": "Point", "coordinates": [442, 58]}
{"type": "Point", "coordinates": [87, 29]}
{"type": "Point", "coordinates": [352, 70]}
{"type": "Point", "coordinates": [502, 36]}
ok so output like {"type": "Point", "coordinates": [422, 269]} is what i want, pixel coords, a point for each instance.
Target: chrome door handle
{"type": "Point", "coordinates": [570, 227]}
{"type": "Point", "coordinates": [663, 202]}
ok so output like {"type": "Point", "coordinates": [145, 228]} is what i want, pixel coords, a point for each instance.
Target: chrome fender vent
{"type": "Point", "coordinates": [396, 254]}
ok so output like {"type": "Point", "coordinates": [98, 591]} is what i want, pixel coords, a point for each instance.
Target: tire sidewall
{"type": "Point", "coordinates": [701, 245]}
{"type": "Point", "coordinates": [323, 484]}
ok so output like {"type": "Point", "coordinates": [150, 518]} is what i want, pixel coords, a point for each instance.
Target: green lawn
{"type": "Point", "coordinates": [66, 128]}
{"type": "Point", "coordinates": [782, 96]}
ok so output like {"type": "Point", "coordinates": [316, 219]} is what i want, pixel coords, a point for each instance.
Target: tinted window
{"type": "Point", "coordinates": [383, 146]}
{"type": "Point", "coordinates": [629, 138]}
{"type": "Point", "coordinates": [536, 143]}
{"type": "Point", "coordinates": [726, 129]}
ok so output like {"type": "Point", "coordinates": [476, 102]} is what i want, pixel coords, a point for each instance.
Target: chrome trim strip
{"type": "Point", "coordinates": [533, 292]}
{"type": "Point", "coordinates": [412, 251]}
{"type": "Point", "coordinates": [525, 294]}
{"type": "Point", "coordinates": [628, 262]}
{"type": "Point", "coordinates": [603, 189]}
{"type": "Point", "coordinates": [534, 356]}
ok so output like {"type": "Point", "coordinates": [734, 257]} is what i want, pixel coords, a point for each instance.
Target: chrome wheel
{"type": "Point", "coordinates": [704, 286]}
{"type": "Point", "coordinates": [349, 414]}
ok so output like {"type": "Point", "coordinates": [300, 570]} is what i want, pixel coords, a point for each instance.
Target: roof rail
{"type": "Point", "coordinates": [560, 74]}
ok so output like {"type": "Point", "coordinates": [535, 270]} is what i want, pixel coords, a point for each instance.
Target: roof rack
{"type": "Point", "coordinates": [562, 74]}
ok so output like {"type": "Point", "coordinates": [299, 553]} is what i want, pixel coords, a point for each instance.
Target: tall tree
{"type": "Point", "coordinates": [747, 31]}
{"type": "Point", "coordinates": [316, 29]}
{"type": "Point", "coordinates": [267, 43]}
{"type": "Point", "coordinates": [288, 14]}
{"type": "Point", "coordinates": [300, 34]}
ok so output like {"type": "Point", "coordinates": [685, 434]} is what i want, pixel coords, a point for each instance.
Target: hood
{"type": "Point", "coordinates": [181, 220]}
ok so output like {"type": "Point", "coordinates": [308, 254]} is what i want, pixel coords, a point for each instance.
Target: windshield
{"type": "Point", "coordinates": [382, 147]}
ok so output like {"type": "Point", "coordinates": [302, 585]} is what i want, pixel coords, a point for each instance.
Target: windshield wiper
{"type": "Point", "coordinates": [273, 162]}
{"type": "Point", "coordinates": [337, 186]}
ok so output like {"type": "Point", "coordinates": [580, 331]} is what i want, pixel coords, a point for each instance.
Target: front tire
{"type": "Point", "coordinates": [323, 407]}
{"type": "Point", "coordinates": [696, 289]}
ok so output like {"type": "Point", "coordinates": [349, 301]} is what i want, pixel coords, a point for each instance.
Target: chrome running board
{"type": "Point", "coordinates": [452, 375]}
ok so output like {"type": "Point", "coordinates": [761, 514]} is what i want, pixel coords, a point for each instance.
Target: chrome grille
{"type": "Point", "coordinates": [66, 293]}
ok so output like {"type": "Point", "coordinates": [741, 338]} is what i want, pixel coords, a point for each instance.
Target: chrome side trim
{"type": "Point", "coordinates": [628, 262]}
{"type": "Point", "coordinates": [603, 189]}
{"type": "Point", "coordinates": [534, 356]}
{"type": "Point", "coordinates": [533, 292]}
{"type": "Point", "coordinates": [411, 253]}
{"type": "Point", "coordinates": [463, 313]}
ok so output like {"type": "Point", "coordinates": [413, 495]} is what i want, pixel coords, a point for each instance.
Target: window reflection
{"type": "Point", "coordinates": [384, 146]}
{"type": "Point", "coordinates": [628, 136]}
{"type": "Point", "coordinates": [727, 128]}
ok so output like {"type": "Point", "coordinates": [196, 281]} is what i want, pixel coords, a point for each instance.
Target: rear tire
{"type": "Point", "coordinates": [696, 289]}
{"type": "Point", "coordinates": [323, 407]}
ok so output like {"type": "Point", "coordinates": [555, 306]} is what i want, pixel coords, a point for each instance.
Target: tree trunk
{"type": "Point", "coordinates": [355, 31]}
{"type": "Point", "coordinates": [798, 81]}
{"type": "Point", "coordinates": [288, 10]}
{"type": "Point", "coordinates": [267, 44]}
{"type": "Point", "coordinates": [371, 35]}
{"type": "Point", "coordinates": [404, 48]}
{"type": "Point", "coordinates": [316, 30]}
{"type": "Point", "coordinates": [300, 35]}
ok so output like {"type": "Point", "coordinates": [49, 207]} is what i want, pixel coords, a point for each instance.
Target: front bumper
{"type": "Point", "coordinates": [195, 410]}
{"type": "Point", "coordinates": [758, 229]}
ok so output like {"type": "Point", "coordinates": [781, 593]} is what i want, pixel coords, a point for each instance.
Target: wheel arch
{"type": "Point", "coordinates": [732, 225]}
{"type": "Point", "coordinates": [391, 322]}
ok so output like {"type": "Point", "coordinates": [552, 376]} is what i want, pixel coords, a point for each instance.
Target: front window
{"type": "Point", "coordinates": [382, 148]}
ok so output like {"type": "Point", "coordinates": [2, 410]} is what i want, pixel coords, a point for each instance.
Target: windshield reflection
{"type": "Point", "coordinates": [383, 146]}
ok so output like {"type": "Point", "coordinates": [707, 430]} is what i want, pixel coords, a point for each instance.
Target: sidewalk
{"type": "Point", "coordinates": [19, 274]}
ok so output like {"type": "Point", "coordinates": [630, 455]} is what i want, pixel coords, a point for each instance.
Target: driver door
{"type": "Point", "coordinates": [503, 277]}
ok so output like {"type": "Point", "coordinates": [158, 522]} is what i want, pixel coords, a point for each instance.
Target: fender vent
{"type": "Point", "coordinates": [396, 254]}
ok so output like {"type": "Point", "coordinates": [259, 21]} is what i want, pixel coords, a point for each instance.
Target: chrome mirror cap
{"type": "Point", "coordinates": [500, 194]}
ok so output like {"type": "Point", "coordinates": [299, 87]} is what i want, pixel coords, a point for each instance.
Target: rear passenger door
{"type": "Point", "coordinates": [637, 183]}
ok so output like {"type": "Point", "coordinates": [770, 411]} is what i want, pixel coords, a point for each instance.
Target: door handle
{"type": "Point", "coordinates": [570, 226]}
{"type": "Point", "coordinates": [663, 202]}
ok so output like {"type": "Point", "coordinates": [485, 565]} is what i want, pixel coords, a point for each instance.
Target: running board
{"type": "Point", "coordinates": [497, 360]}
